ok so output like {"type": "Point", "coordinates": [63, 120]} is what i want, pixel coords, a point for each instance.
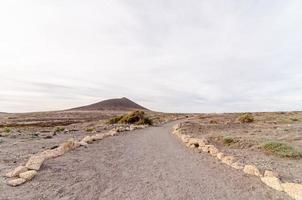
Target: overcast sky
{"type": "Point", "coordinates": [168, 55]}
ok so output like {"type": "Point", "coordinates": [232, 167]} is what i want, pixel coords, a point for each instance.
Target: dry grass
{"type": "Point", "coordinates": [246, 118]}
{"type": "Point", "coordinates": [281, 149]}
{"type": "Point", "coordinates": [136, 117]}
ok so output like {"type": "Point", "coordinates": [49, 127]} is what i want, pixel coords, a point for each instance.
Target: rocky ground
{"type": "Point", "coordinates": [244, 140]}
{"type": "Point", "coordinates": [150, 163]}
{"type": "Point", "coordinates": [142, 164]}
{"type": "Point", "coordinates": [33, 132]}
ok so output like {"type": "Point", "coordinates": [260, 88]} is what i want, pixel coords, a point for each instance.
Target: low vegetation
{"type": "Point", "coordinates": [246, 118]}
{"type": "Point", "coordinates": [90, 129]}
{"type": "Point", "coordinates": [7, 130]}
{"type": "Point", "coordinates": [136, 117]}
{"type": "Point", "coordinates": [227, 140]}
{"type": "Point", "coordinates": [281, 149]}
{"type": "Point", "coordinates": [59, 129]}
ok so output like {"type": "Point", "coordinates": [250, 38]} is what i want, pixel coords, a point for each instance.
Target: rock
{"type": "Point", "coordinates": [238, 165]}
{"type": "Point", "coordinates": [47, 135]}
{"type": "Point", "coordinates": [48, 154]}
{"type": "Point", "coordinates": [67, 146]}
{"type": "Point", "coordinates": [177, 126]}
{"type": "Point", "coordinates": [16, 171]}
{"type": "Point", "coordinates": [220, 156]}
{"type": "Point", "coordinates": [87, 139]}
{"type": "Point", "coordinates": [82, 143]}
{"type": "Point", "coordinates": [185, 138]}
{"type": "Point", "coordinates": [35, 162]}
{"type": "Point", "coordinates": [28, 175]}
{"type": "Point", "coordinates": [268, 173]}
{"type": "Point", "coordinates": [252, 170]}
{"type": "Point", "coordinates": [16, 182]}
{"type": "Point", "coordinates": [213, 150]}
{"type": "Point", "coordinates": [294, 190]}
{"type": "Point", "coordinates": [98, 136]}
{"type": "Point", "coordinates": [272, 182]}
{"type": "Point", "coordinates": [113, 132]}
{"type": "Point", "coordinates": [228, 160]}
{"type": "Point", "coordinates": [194, 142]}
{"type": "Point", "coordinates": [205, 149]}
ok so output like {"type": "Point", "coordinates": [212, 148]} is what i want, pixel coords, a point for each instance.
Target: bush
{"type": "Point", "coordinates": [133, 117]}
{"type": "Point", "coordinates": [59, 129]}
{"type": "Point", "coordinates": [227, 140]}
{"type": "Point", "coordinates": [7, 130]}
{"type": "Point", "coordinates": [136, 117]}
{"type": "Point", "coordinates": [281, 149]}
{"type": "Point", "coordinates": [246, 118]}
{"type": "Point", "coordinates": [213, 121]}
{"type": "Point", "coordinates": [294, 119]}
{"type": "Point", "coordinates": [145, 121]}
{"type": "Point", "coordinates": [90, 129]}
{"type": "Point", "coordinates": [115, 120]}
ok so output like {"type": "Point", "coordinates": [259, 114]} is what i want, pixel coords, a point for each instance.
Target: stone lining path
{"type": "Point", "coordinates": [143, 164]}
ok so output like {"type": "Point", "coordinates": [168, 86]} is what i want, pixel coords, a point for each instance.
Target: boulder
{"type": "Point", "coordinates": [16, 171]}
{"type": "Point", "coordinates": [16, 182]}
{"type": "Point", "coordinates": [294, 190]}
{"type": "Point", "coordinates": [252, 170]}
{"type": "Point", "coordinates": [228, 160]}
{"type": "Point", "coordinates": [28, 175]}
{"type": "Point", "coordinates": [35, 162]}
{"type": "Point", "coordinates": [272, 182]}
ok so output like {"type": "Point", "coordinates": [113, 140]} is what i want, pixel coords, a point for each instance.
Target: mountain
{"type": "Point", "coordinates": [113, 104]}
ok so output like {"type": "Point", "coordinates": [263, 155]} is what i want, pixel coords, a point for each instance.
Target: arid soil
{"type": "Point", "coordinates": [34, 132]}
{"type": "Point", "coordinates": [143, 164]}
{"type": "Point", "coordinates": [247, 138]}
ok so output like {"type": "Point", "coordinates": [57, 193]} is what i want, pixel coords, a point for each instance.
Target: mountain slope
{"type": "Point", "coordinates": [113, 104]}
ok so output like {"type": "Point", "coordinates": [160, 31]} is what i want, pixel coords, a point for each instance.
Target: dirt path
{"type": "Point", "coordinates": [143, 164]}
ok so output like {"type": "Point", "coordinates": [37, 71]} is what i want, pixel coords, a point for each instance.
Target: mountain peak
{"type": "Point", "coordinates": [113, 104]}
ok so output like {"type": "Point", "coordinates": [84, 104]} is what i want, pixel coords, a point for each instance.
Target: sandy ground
{"type": "Point", "coordinates": [143, 164]}
{"type": "Point", "coordinates": [249, 137]}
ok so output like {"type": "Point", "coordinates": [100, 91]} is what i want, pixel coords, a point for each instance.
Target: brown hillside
{"type": "Point", "coordinates": [113, 104]}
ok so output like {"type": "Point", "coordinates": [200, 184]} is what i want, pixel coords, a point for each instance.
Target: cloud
{"type": "Point", "coordinates": [174, 56]}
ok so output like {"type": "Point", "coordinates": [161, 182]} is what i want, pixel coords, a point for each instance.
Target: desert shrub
{"type": "Point", "coordinates": [246, 118]}
{"type": "Point", "coordinates": [133, 117]}
{"type": "Point", "coordinates": [294, 119]}
{"type": "Point", "coordinates": [145, 121]}
{"type": "Point", "coordinates": [60, 129]}
{"type": "Point", "coordinates": [89, 129]}
{"type": "Point", "coordinates": [227, 140]}
{"type": "Point", "coordinates": [136, 117]}
{"type": "Point", "coordinates": [281, 149]}
{"type": "Point", "coordinates": [7, 130]}
{"type": "Point", "coordinates": [213, 121]}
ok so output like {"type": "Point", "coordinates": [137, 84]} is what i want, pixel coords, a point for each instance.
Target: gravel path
{"type": "Point", "coordinates": [143, 164]}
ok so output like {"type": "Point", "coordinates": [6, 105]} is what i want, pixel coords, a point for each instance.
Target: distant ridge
{"type": "Point", "coordinates": [112, 104]}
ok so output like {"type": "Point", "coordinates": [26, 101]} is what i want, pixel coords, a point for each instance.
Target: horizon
{"type": "Point", "coordinates": [193, 57]}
